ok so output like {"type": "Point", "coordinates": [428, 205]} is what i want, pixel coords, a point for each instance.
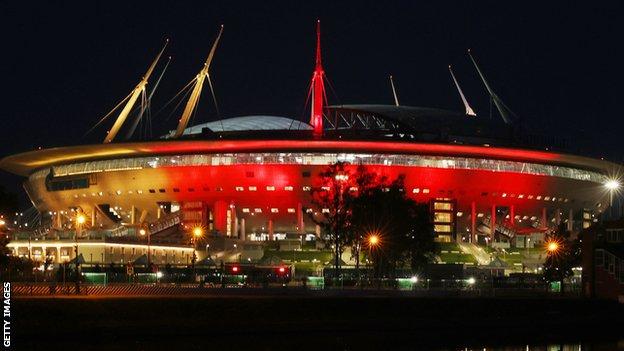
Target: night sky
{"type": "Point", "coordinates": [65, 64]}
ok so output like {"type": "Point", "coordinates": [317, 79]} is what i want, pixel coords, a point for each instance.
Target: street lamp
{"type": "Point", "coordinates": [197, 233]}
{"type": "Point", "coordinates": [612, 185]}
{"type": "Point", "coordinates": [80, 220]}
{"type": "Point", "coordinates": [552, 247]}
{"type": "Point", "coordinates": [143, 232]}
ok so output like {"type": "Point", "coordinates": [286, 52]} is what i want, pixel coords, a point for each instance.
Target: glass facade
{"type": "Point", "coordinates": [444, 162]}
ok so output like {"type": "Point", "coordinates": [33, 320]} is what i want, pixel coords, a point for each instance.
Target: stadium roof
{"type": "Point", "coordinates": [249, 123]}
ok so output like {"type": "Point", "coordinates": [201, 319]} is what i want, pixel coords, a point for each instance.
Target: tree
{"type": "Point", "coordinates": [331, 196]}
{"type": "Point", "coordinates": [403, 225]}
{"type": "Point", "coordinates": [563, 255]}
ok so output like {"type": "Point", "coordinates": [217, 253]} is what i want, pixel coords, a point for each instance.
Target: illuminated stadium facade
{"type": "Point", "coordinates": [250, 177]}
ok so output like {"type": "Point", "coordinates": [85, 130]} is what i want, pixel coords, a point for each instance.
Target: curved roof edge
{"type": "Point", "coordinates": [25, 163]}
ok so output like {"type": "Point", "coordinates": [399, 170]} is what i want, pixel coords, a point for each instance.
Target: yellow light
{"type": "Point", "coordinates": [553, 246]}
{"type": "Point", "coordinates": [81, 219]}
{"type": "Point", "coordinates": [612, 184]}
{"type": "Point", "coordinates": [198, 231]}
{"type": "Point", "coordinates": [2, 222]}
{"type": "Point", "coordinates": [373, 240]}
{"type": "Point", "coordinates": [142, 232]}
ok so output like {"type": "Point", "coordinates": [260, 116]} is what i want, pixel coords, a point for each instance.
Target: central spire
{"type": "Point", "coordinates": [318, 88]}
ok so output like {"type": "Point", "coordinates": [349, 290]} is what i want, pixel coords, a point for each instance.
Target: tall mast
{"type": "Point", "coordinates": [504, 111]}
{"type": "Point", "coordinates": [318, 88]}
{"type": "Point", "coordinates": [191, 104]}
{"type": "Point", "coordinates": [469, 110]}
{"type": "Point", "coordinates": [138, 90]}
{"type": "Point", "coordinates": [396, 98]}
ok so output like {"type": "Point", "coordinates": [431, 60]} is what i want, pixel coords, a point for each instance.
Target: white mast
{"type": "Point", "coordinates": [132, 98]}
{"type": "Point", "coordinates": [199, 82]}
{"type": "Point", "coordinates": [469, 110]}
{"type": "Point", "coordinates": [396, 99]}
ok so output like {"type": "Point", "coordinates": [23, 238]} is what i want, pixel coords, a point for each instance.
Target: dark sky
{"type": "Point", "coordinates": [65, 64]}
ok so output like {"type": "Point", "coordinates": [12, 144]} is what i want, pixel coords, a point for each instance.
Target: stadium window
{"type": "Point", "coordinates": [274, 210]}
{"type": "Point", "coordinates": [443, 217]}
{"type": "Point", "coordinates": [291, 210]}
{"type": "Point", "coordinates": [442, 206]}
{"type": "Point", "coordinates": [306, 174]}
{"type": "Point", "coordinates": [139, 192]}
{"type": "Point", "coordinates": [307, 188]}
{"type": "Point", "coordinates": [425, 191]}
{"type": "Point", "coordinates": [257, 210]}
{"type": "Point", "coordinates": [219, 188]}
{"type": "Point", "coordinates": [521, 196]}
{"type": "Point", "coordinates": [176, 190]}
{"type": "Point", "coordinates": [270, 188]}
{"type": "Point", "coordinates": [530, 197]}
{"type": "Point", "coordinates": [161, 190]}
{"type": "Point", "coordinates": [416, 190]}
{"type": "Point", "coordinates": [253, 188]}
{"type": "Point", "coordinates": [442, 228]}
{"type": "Point", "coordinates": [325, 210]}
{"type": "Point", "coordinates": [288, 188]}
{"type": "Point", "coordinates": [245, 210]}
{"type": "Point", "coordinates": [152, 191]}
{"type": "Point", "coordinates": [239, 188]}
{"type": "Point", "coordinates": [249, 174]}
{"type": "Point", "coordinates": [191, 190]}
{"type": "Point", "coordinates": [118, 192]}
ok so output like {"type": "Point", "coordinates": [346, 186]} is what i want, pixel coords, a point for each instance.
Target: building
{"type": "Point", "coordinates": [603, 261]}
{"type": "Point", "coordinates": [487, 181]}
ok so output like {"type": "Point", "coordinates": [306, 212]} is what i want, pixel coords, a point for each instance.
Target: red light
{"type": "Point", "coordinates": [235, 269]}
{"type": "Point", "coordinates": [282, 269]}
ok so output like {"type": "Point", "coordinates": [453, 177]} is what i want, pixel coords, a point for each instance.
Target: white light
{"type": "Point", "coordinates": [414, 279]}
{"type": "Point", "coordinates": [471, 281]}
{"type": "Point", "coordinates": [159, 274]}
{"type": "Point", "coordinates": [612, 184]}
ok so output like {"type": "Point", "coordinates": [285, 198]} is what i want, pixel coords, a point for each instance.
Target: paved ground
{"type": "Point", "coordinates": [271, 321]}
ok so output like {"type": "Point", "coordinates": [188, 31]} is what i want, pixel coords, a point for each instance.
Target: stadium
{"type": "Point", "coordinates": [247, 179]}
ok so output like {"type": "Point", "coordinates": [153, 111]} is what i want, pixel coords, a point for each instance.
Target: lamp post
{"type": "Point", "coordinates": [80, 220]}
{"type": "Point", "coordinates": [197, 233]}
{"type": "Point", "coordinates": [373, 241]}
{"type": "Point", "coordinates": [144, 232]}
{"type": "Point", "coordinates": [342, 179]}
{"type": "Point", "coordinates": [612, 185]}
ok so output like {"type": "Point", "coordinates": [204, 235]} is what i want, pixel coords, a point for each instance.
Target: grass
{"type": "Point", "coordinates": [458, 258]}
{"type": "Point", "coordinates": [297, 256]}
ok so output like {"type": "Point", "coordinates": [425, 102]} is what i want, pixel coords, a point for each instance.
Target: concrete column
{"type": "Point", "coordinates": [300, 224]}
{"type": "Point", "coordinates": [132, 215]}
{"type": "Point", "coordinates": [492, 223]}
{"type": "Point", "coordinates": [512, 215]}
{"type": "Point", "coordinates": [557, 216]}
{"type": "Point", "coordinates": [59, 220]}
{"type": "Point", "coordinates": [243, 234]}
{"type": "Point", "coordinates": [94, 217]}
{"type": "Point", "coordinates": [317, 230]}
{"type": "Point", "coordinates": [220, 209]}
{"type": "Point", "coordinates": [571, 220]}
{"type": "Point", "coordinates": [473, 222]}
{"type": "Point", "coordinates": [270, 227]}
{"type": "Point", "coordinates": [58, 254]}
{"type": "Point", "coordinates": [158, 212]}
{"type": "Point", "coordinates": [544, 218]}
{"type": "Point", "coordinates": [234, 221]}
